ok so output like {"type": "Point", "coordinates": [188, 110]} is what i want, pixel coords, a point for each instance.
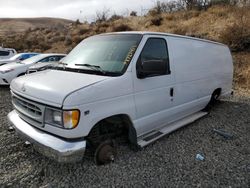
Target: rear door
{"type": "Point", "coordinates": [153, 95]}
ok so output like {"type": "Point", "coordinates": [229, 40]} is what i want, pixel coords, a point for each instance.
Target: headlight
{"type": "Point", "coordinates": [67, 119]}
{"type": "Point", "coordinates": [6, 71]}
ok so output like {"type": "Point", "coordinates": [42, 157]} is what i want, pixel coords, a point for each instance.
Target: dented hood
{"type": "Point", "coordinates": [52, 86]}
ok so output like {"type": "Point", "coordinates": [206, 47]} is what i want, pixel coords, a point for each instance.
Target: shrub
{"type": "Point", "coordinates": [115, 17]}
{"type": "Point", "coordinates": [133, 13]}
{"type": "Point", "coordinates": [236, 37]}
{"type": "Point", "coordinates": [156, 20]}
{"type": "Point", "coordinates": [43, 46]}
{"type": "Point", "coordinates": [77, 22]}
{"type": "Point", "coordinates": [76, 39]}
{"type": "Point", "coordinates": [121, 27]}
{"type": "Point", "coordinates": [82, 31]}
{"type": "Point", "coordinates": [68, 41]}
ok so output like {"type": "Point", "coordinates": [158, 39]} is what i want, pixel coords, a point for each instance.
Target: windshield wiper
{"type": "Point", "coordinates": [61, 63]}
{"type": "Point", "coordinates": [93, 67]}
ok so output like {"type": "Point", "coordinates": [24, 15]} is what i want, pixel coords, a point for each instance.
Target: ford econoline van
{"type": "Point", "coordinates": [116, 87]}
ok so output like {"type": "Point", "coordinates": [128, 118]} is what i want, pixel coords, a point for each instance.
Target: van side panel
{"type": "Point", "coordinates": [200, 68]}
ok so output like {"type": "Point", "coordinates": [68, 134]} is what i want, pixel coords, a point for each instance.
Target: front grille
{"type": "Point", "coordinates": [30, 108]}
{"type": "Point", "coordinates": [29, 111]}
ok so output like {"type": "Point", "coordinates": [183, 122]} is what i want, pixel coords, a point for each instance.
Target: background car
{"type": "Point", "coordinates": [6, 53]}
{"type": "Point", "coordinates": [17, 57]}
{"type": "Point", "coordinates": [53, 61]}
{"type": "Point", "coordinates": [12, 70]}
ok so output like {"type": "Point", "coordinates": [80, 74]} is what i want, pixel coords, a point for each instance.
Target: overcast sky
{"type": "Point", "coordinates": [70, 9]}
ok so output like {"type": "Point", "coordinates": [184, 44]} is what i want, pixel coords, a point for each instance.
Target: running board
{"type": "Point", "coordinates": [155, 135]}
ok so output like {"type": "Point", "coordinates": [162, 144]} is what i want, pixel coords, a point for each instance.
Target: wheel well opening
{"type": "Point", "coordinates": [117, 127]}
{"type": "Point", "coordinates": [20, 74]}
{"type": "Point", "coordinates": [217, 93]}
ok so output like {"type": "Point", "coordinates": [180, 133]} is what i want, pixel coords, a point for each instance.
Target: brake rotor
{"type": "Point", "coordinates": [105, 153]}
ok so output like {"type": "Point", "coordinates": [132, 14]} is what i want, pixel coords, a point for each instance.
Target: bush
{"type": "Point", "coordinates": [133, 13]}
{"type": "Point", "coordinates": [115, 17]}
{"type": "Point", "coordinates": [68, 41]}
{"type": "Point", "coordinates": [121, 27]}
{"type": "Point", "coordinates": [76, 39]}
{"type": "Point", "coordinates": [43, 46]}
{"type": "Point", "coordinates": [156, 20]}
{"type": "Point", "coordinates": [83, 31]}
{"type": "Point", "coordinates": [236, 37]}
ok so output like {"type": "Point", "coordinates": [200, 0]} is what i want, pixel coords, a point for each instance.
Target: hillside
{"type": "Point", "coordinates": [11, 26]}
{"type": "Point", "coordinates": [227, 24]}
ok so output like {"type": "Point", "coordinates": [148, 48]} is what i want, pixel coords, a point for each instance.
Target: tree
{"type": "Point", "coordinates": [133, 13]}
{"type": "Point", "coordinates": [102, 16]}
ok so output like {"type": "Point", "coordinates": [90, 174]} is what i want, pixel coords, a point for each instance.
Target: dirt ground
{"type": "Point", "coordinates": [169, 162]}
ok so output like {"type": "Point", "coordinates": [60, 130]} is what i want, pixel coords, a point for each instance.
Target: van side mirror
{"type": "Point", "coordinates": [150, 68]}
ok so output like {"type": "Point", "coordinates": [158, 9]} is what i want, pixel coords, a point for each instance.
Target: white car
{"type": "Point", "coordinates": [6, 53]}
{"type": "Point", "coordinates": [131, 86]}
{"type": "Point", "coordinates": [12, 70]}
{"type": "Point", "coordinates": [43, 66]}
{"type": "Point", "coordinates": [17, 58]}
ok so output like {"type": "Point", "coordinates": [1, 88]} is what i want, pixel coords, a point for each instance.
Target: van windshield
{"type": "Point", "coordinates": [104, 53]}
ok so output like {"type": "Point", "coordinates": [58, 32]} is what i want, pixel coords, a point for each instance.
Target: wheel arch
{"type": "Point", "coordinates": [127, 123]}
{"type": "Point", "coordinates": [217, 92]}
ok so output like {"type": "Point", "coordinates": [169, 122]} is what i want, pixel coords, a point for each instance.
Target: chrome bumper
{"type": "Point", "coordinates": [48, 145]}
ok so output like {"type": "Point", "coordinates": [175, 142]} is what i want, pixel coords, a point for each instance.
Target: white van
{"type": "Point", "coordinates": [130, 86]}
{"type": "Point", "coordinates": [6, 53]}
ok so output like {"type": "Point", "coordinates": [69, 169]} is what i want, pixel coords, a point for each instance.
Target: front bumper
{"type": "Point", "coordinates": [51, 146]}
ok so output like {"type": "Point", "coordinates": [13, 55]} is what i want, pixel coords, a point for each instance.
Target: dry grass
{"type": "Point", "coordinates": [242, 71]}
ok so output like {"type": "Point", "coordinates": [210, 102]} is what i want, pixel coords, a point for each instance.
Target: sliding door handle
{"type": "Point", "coordinates": [171, 92]}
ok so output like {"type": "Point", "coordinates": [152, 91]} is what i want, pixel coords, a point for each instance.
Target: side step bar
{"type": "Point", "coordinates": [155, 135]}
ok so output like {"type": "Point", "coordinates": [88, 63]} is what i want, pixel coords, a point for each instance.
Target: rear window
{"type": "Point", "coordinates": [4, 53]}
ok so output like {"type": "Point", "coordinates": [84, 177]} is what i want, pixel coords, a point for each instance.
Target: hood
{"type": "Point", "coordinates": [4, 61]}
{"type": "Point", "coordinates": [52, 86]}
{"type": "Point", "coordinates": [10, 66]}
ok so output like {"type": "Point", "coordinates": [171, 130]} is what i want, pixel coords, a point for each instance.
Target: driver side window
{"type": "Point", "coordinates": [155, 49]}
{"type": "Point", "coordinates": [154, 59]}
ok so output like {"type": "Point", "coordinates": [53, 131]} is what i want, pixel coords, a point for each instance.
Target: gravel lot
{"type": "Point", "coordinates": [169, 162]}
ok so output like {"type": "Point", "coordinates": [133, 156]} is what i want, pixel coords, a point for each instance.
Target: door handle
{"type": "Point", "coordinates": [171, 92]}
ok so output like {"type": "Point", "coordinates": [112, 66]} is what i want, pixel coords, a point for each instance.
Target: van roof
{"type": "Point", "coordinates": [165, 34]}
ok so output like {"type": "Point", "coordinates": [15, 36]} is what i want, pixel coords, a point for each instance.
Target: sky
{"type": "Point", "coordinates": [70, 9]}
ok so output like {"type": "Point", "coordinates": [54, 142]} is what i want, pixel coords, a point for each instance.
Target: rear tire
{"type": "Point", "coordinates": [213, 100]}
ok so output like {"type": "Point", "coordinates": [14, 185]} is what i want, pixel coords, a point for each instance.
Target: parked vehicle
{"type": "Point", "coordinates": [43, 66]}
{"type": "Point", "coordinates": [134, 86]}
{"type": "Point", "coordinates": [17, 58]}
{"type": "Point", "coordinates": [12, 70]}
{"type": "Point", "coordinates": [6, 53]}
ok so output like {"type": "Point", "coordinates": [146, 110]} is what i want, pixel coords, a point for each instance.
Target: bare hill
{"type": "Point", "coordinates": [11, 26]}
